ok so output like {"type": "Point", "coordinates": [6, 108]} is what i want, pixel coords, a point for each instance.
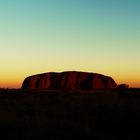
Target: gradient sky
{"type": "Point", "coordinates": [38, 36]}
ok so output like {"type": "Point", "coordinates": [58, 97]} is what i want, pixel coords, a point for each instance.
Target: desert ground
{"type": "Point", "coordinates": [100, 114]}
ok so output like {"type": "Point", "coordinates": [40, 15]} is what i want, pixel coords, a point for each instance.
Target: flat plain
{"type": "Point", "coordinates": [100, 114]}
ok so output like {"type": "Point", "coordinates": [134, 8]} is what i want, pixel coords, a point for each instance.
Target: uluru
{"type": "Point", "coordinates": [68, 80]}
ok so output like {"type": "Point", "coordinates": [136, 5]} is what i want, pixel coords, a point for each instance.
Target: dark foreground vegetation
{"type": "Point", "coordinates": [101, 115]}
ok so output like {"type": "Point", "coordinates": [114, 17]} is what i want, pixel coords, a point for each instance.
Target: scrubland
{"type": "Point", "coordinates": [100, 114]}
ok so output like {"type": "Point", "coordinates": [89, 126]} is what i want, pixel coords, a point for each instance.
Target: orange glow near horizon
{"type": "Point", "coordinates": [16, 82]}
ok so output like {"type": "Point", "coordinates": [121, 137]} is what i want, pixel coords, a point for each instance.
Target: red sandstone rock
{"type": "Point", "coordinates": [70, 80]}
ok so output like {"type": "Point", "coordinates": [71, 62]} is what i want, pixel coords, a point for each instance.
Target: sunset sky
{"type": "Point", "coordinates": [38, 36]}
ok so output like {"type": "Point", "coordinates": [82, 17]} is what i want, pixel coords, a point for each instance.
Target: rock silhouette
{"type": "Point", "coordinates": [69, 80]}
{"type": "Point", "coordinates": [123, 86]}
